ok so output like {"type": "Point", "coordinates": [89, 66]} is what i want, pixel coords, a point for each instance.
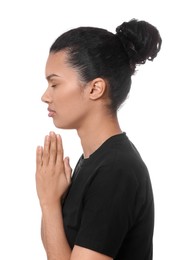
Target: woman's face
{"type": "Point", "coordinates": [66, 95]}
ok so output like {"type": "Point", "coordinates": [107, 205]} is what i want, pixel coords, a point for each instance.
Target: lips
{"type": "Point", "coordinates": [51, 112]}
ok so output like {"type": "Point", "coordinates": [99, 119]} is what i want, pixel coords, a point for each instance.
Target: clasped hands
{"type": "Point", "coordinates": [53, 171]}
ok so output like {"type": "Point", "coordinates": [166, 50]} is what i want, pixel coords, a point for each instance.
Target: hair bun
{"type": "Point", "coordinates": [140, 40]}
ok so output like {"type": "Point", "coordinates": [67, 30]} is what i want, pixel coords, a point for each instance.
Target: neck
{"type": "Point", "coordinates": [96, 132]}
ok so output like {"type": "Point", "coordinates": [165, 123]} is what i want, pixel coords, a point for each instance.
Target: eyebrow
{"type": "Point", "coordinates": [49, 77]}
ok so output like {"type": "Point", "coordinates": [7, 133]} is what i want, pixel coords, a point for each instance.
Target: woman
{"type": "Point", "coordinates": [106, 209]}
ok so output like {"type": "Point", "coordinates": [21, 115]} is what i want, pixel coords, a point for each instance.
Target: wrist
{"type": "Point", "coordinates": [50, 206]}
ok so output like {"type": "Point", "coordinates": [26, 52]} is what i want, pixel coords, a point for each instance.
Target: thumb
{"type": "Point", "coordinates": [68, 169]}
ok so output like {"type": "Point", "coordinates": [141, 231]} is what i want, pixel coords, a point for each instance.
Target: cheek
{"type": "Point", "coordinates": [69, 101]}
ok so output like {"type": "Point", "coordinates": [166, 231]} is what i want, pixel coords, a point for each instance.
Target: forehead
{"type": "Point", "coordinates": [56, 60]}
{"type": "Point", "coordinates": [57, 64]}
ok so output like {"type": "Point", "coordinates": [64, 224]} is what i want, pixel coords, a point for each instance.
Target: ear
{"type": "Point", "coordinates": [98, 88]}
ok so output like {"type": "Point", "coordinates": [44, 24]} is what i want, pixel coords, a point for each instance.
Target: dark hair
{"type": "Point", "coordinates": [96, 52]}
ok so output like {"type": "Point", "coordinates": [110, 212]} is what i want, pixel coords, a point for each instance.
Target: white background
{"type": "Point", "coordinates": [153, 115]}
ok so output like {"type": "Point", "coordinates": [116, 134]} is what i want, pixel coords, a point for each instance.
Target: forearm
{"type": "Point", "coordinates": [53, 235]}
{"type": "Point", "coordinates": [42, 234]}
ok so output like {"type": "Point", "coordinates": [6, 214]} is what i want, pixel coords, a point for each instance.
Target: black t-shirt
{"type": "Point", "coordinates": [109, 207]}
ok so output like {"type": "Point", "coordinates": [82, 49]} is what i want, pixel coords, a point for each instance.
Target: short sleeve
{"type": "Point", "coordinates": [108, 210]}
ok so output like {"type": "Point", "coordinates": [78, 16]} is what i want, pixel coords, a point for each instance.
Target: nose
{"type": "Point", "coordinates": [45, 97]}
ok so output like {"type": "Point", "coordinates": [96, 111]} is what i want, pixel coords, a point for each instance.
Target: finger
{"type": "Point", "coordinates": [68, 169]}
{"type": "Point", "coordinates": [53, 148]}
{"type": "Point", "coordinates": [60, 152]}
{"type": "Point", "coordinates": [39, 153]}
{"type": "Point", "coordinates": [46, 149]}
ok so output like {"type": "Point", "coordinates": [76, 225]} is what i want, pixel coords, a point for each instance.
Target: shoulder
{"type": "Point", "coordinates": [122, 157]}
{"type": "Point", "coordinates": [116, 165]}
{"type": "Point", "coordinates": [119, 167]}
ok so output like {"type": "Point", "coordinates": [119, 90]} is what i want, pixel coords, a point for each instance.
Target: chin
{"type": "Point", "coordinates": [60, 125]}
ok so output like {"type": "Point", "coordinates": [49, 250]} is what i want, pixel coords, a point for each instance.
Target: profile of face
{"type": "Point", "coordinates": [65, 95]}
{"type": "Point", "coordinates": [70, 101]}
